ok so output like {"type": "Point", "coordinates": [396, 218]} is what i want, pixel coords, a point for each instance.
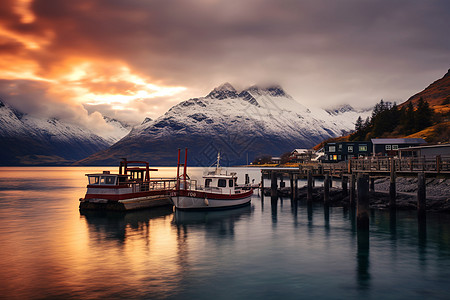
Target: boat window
{"type": "Point", "coordinates": [230, 182]}
{"type": "Point", "coordinates": [93, 179]}
{"type": "Point", "coordinates": [107, 180]}
{"type": "Point", "coordinates": [222, 183]}
{"type": "Point", "coordinates": [208, 182]}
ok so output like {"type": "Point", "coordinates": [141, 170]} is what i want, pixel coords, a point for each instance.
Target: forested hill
{"type": "Point", "coordinates": [425, 115]}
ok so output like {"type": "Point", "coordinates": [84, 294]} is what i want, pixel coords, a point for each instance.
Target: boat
{"type": "Point", "coordinates": [130, 189]}
{"type": "Point", "coordinates": [219, 190]}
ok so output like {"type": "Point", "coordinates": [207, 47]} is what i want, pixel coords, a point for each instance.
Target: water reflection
{"type": "Point", "coordinates": [116, 224]}
{"type": "Point", "coordinates": [283, 252]}
{"type": "Point", "coordinates": [222, 221]}
{"type": "Point", "coordinates": [362, 257]}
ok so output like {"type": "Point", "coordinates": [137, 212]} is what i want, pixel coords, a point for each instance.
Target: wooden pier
{"type": "Point", "coordinates": [357, 178]}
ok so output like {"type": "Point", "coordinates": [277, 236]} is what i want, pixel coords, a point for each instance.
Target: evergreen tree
{"type": "Point", "coordinates": [423, 115]}
{"type": "Point", "coordinates": [409, 120]}
{"type": "Point", "coordinates": [359, 124]}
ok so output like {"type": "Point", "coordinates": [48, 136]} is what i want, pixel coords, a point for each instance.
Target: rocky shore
{"type": "Point", "coordinates": [437, 190]}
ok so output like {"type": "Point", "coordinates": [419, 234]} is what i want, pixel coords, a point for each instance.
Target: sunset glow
{"type": "Point", "coordinates": [132, 60]}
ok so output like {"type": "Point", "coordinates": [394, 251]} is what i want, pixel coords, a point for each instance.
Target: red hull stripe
{"type": "Point", "coordinates": [113, 187]}
{"type": "Point", "coordinates": [126, 196]}
{"type": "Point", "coordinates": [198, 194]}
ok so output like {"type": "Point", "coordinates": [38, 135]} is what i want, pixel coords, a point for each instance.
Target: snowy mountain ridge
{"type": "Point", "coordinates": [254, 121]}
{"type": "Point", "coordinates": [26, 139]}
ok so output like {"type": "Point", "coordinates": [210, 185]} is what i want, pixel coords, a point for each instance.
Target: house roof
{"type": "Point", "coordinates": [399, 141]}
{"type": "Point", "coordinates": [300, 151]}
{"type": "Point", "coordinates": [426, 147]}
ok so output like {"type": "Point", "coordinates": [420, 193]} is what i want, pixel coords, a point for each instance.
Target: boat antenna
{"type": "Point", "coordinates": [218, 160]}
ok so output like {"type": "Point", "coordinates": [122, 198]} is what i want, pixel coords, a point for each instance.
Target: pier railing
{"type": "Point", "coordinates": [438, 164]}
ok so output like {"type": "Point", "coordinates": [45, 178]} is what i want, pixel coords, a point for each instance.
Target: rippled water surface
{"type": "Point", "coordinates": [268, 250]}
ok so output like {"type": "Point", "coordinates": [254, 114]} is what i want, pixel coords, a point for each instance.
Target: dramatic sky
{"type": "Point", "coordinates": [78, 60]}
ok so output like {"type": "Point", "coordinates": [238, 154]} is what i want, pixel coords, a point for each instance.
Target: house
{"type": "Point", "coordinates": [427, 151]}
{"type": "Point", "coordinates": [302, 155]}
{"type": "Point", "coordinates": [342, 151]}
{"type": "Point", "coordinates": [276, 160]}
{"type": "Point", "coordinates": [390, 147]}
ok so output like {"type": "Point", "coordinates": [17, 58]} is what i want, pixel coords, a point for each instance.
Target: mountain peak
{"type": "Point", "coordinates": [340, 109]}
{"type": "Point", "coordinates": [147, 119]}
{"type": "Point", "coordinates": [272, 90]}
{"type": "Point", "coordinates": [223, 91]}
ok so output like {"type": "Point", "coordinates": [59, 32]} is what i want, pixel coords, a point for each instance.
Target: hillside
{"type": "Point", "coordinates": [425, 115]}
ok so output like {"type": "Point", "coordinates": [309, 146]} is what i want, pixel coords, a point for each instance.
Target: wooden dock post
{"type": "Point", "coordinates": [326, 189]}
{"type": "Point", "coordinates": [295, 186]}
{"type": "Point", "coordinates": [421, 196]}
{"type": "Point", "coordinates": [372, 184]}
{"type": "Point", "coordinates": [362, 213]}
{"type": "Point", "coordinates": [345, 185]}
{"type": "Point", "coordinates": [310, 187]}
{"type": "Point", "coordinates": [352, 196]}
{"type": "Point", "coordinates": [262, 183]}
{"type": "Point", "coordinates": [392, 185]}
{"type": "Point", "coordinates": [273, 185]}
{"type": "Point", "coordinates": [291, 184]}
{"type": "Point", "coordinates": [247, 179]}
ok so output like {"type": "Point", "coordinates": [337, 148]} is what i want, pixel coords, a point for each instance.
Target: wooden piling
{"type": "Point", "coordinates": [352, 196]}
{"type": "Point", "coordinates": [273, 185]}
{"type": "Point", "coordinates": [291, 184]}
{"type": "Point", "coordinates": [326, 189]}
{"type": "Point", "coordinates": [262, 182]}
{"type": "Point", "coordinates": [282, 184]}
{"type": "Point", "coordinates": [372, 184]}
{"type": "Point", "coordinates": [421, 195]}
{"type": "Point", "coordinates": [345, 185]}
{"type": "Point", "coordinates": [295, 186]}
{"type": "Point", "coordinates": [309, 196]}
{"type": "Point", "coordinates": [362, 213]}
{"type": "Point", "coordinates": [392, 185]}
{"type": "Point", "coordinates": [247, 179]}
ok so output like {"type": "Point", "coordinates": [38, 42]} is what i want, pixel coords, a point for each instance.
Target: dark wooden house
{"type": "Point", "coordinates": [342, 151]}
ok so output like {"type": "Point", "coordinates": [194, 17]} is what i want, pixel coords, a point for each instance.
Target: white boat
{"type": "Point", "coordinates": [220, 190]}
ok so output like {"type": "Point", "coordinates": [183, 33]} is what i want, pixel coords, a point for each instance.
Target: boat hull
{"type": "Point", "coordinates": [195, 200]}
{"type": "Point", "coordinates": [140, 201]}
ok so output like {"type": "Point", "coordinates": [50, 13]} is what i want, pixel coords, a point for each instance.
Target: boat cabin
{"type": "Point", "coordinates": [220, 183]}
{"type": "Point", "coordinates": [129, 172]}
{"type": "Point", "coordinates": [106, 178]}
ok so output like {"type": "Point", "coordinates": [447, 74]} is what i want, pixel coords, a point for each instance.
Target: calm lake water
{"type": "Point", "coordinates": [268, 250]}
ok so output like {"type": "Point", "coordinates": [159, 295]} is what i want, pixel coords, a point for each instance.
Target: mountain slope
{"type": "Point", "coordinates": [28, 140]}
{"type": "Point", "coordinates": [435, 94]}
{"type": "Point", "coordinates": [415, 119]}
{"type": "Point", "coordinates": [238, 124]}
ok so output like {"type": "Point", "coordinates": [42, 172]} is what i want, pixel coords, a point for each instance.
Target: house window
{"type": "Point", "coordinates": [222, 183]}
{"type": "Point", "coordinates": [332, 148]}
{"type": "Point", "coordinates": [388, 147]}
{"type": "Point", "coordinates": [394, 147]}
{"type": "Point", "coordinates": [340, 147]}
{"type": "Point", "coordinates": [350, 148]}
{"type": "Point", "coordinates": [362, 148]}
{"type": "Point", "coordinates": [339, 157]}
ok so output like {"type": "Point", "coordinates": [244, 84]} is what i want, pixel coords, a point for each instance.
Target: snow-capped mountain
{"type": "Point", "coordinates": [118, 129]}
{"type": "Point", "coordinates": [238, 124]}
{"type": "Point", "coordinates": [30, 140]}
